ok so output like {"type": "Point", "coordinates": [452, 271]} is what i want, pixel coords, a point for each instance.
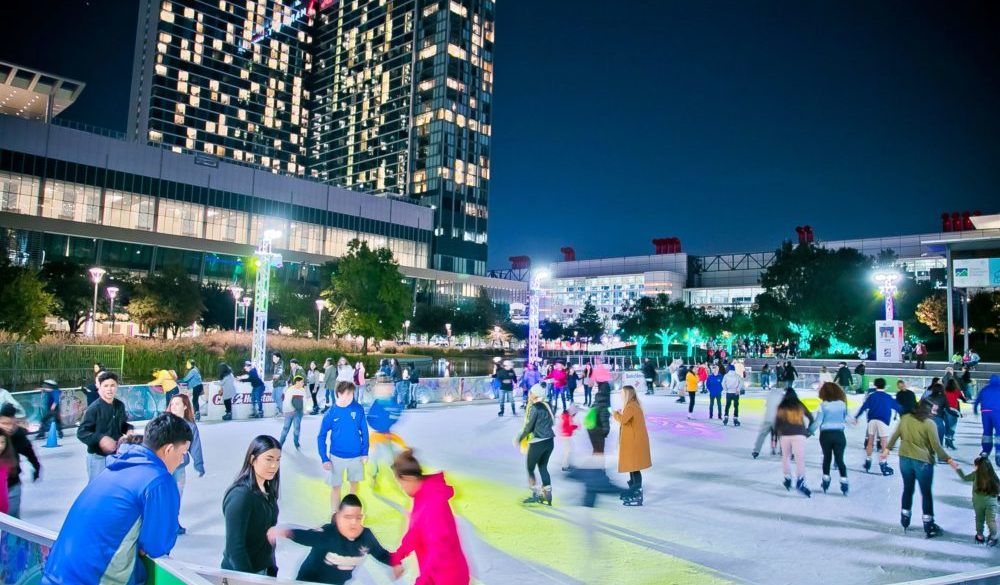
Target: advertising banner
{"type": "Point", "coordinates": [889, 341]}
{"type": "Point", "coordinates": [971, 273]}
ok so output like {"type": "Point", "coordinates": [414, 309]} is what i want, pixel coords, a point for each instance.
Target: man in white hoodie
{"type": "Point", "coordinates": [732, 384]}
{"type": "Point", "coordinates": [770, 412]}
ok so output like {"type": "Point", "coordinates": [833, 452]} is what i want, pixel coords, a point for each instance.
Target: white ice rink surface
{"type": "Point", "coordinates": [707, 502]}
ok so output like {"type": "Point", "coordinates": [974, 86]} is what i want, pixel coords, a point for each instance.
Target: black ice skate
{"type": "Point", "coordinates": [904, 519]}
{"type": "Point", "coordinates": [788, 483]}
{"type": "Point", "coordinates": [930, 528]}
{"type": "Point", "coordinates": [825, 484]}
{"type": "Point", "coordinates": [884, 468]}
{"type": "Point", "coordinates": [803, 489]}
{"type": "Point", "coordinates": [868, 465]}
{"type": "Point", "coordinates": [635, 499]}
{"type": "Point", "coordinates": [843, 485]}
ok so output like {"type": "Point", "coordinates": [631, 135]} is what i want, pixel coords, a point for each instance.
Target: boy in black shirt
{"type": "Point", "coordinates": [337, 548]}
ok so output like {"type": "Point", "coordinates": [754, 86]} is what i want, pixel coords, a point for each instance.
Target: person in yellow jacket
{"type": "Point", "coordinates": [167, 381]}
{"type": "Point", "coordinates": [691, 380]}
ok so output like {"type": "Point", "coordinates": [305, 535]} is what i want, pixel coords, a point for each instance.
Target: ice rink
{"type": "Point", "coordinates": [712, 514]}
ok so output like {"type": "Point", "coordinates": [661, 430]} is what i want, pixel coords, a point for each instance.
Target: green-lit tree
{"type": "Point", "coordinates": [68, 283]}
{"type": "Point", "coordinates": [24, 302]}
{"type": "Point", "coordinates": [368, 286]}
{"type": "Point", "coordinates": [589, 323]}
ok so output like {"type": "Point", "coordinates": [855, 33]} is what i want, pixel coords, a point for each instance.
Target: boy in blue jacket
{"type": "Point", "coordinates": [714, 385]}
{"type": "Point", "coordinates": [879, 406]}
{"type": "Point", "coordinates": [129, 509]}
{"type": "Point", "coordinates": [343, 441]}
{"type": "Point", "coordinates": [988, 403]}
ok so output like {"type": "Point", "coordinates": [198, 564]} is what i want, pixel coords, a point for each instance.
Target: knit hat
{"type": "Point", "coordinates": [539, 391]}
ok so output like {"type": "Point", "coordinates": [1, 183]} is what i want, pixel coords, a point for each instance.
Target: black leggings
{"type": "Point", "coordinates": [734, 401]}
{"type": "Point", "coordinates": [228, 402]}
{"type": "Point", "coordinates": [196, 393]}
{"type": "Point", "coordinates": [586, 395]}
{"type": "Point", "coordinates": [635, 480]}
{"type": "Point", "coordinates": [833, 444]}
{"type": "Point", "coordinates": [691, 396]}
{"type": "Point", "coordinates": [538, 456]}
{"type": "Point", "coordinates": [312, 392]}
{"type": "Point", "coordinates": [597, 437]}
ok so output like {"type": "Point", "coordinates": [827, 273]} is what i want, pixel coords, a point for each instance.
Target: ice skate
{"type": "Point", "coordinates": [546, 495]}
{"type": "Point", "coordinates": [949, 443]}
{"type": "Point", "coordinates": [868, 465]}
{"type": "Point", "coordinates": [843, 485]}
{"type": "Point", "coordinates": [904, 519]}
{"type": "Point", "coordinates": [931, 529]}
{"type": "Point", "coordinates": [803, 488]}
{"type": "Point", "coordinates": [534, 498]}
{"type": "Point", "coordinates": [635, 499]}
{"type": "Point", "coordinates": [725, 421]}
{"type": "Point", "coordinates": [980, 539]}
{"type": "Point", "coordinates": [991, 541]}
{"type": "Point", "coordinates": [825, 484]}
{"type": "Point", "coordinates": [884, 468]}
{"type": "Point", "coordinates": [755, 454]}
{"type": "Point", "coordinates": [787, 483]}
{"type": "Point", "coordinates": [736, 421]}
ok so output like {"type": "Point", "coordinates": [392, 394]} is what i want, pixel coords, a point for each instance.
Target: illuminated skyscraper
{"type": "Point", "coordinates": [386, 97]}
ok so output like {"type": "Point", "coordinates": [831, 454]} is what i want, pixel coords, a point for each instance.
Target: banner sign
{"type": "Point", "coordinates": [889, 341]}
{"type": "Point", "coordinates": [976, 272]}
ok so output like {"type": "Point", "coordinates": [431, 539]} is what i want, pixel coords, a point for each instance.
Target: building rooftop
{"type": "Point", "coordinates": [26, 93]}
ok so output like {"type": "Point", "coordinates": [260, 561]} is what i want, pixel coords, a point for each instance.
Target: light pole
{"type": "Point", "coordinates": [112, 293]}
{"type": "Point", "coordinates": [236, 291]}
{"type": "Point", "coordinates": [406, 326]}
{"type": "Point", "coordinates": [887, 280]}
{"type": "Point", "coordinates": [246, 312]}
{"type": "Point", "coordinates": [96, 274]}
{"type": "Point", "coordinates": [320, 303]}
{"type": "Point", "coordinates": [447, 329]}
{"type": "Point", "coordinates": [534, 310]}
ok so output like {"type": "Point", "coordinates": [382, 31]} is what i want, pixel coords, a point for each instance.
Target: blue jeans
{"type": "Point", "coordinates": [293, 420]}
{"type": "Point", "coordinates": [402, 393]}
{"type": "Point", "coordinates": [915, 471]}
{"type": "Point", "coordinates": [991, 427]}
{"type": "Point", "coordinates": [257, 400]}
{"type": "Point", "coordinates": [278, 394]}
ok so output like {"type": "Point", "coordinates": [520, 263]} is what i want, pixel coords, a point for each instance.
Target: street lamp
{"type": "Point", "coordinates": [886, 280]}
{"type": "Point", "coordinates": [112, 293]}
{"type": "Point", "coordinates": [320, 303]}
{"type": "Point", "coordinates": [246, 312]}
{"type": "Point", "coordinates": [96, 274]}
{"type": "Point", "coordinates": [447, 328]}
{"type": "Point", "coordinates": [534, 310]}
{"type": "Point", "coordinates": [406, 326]}
{"type": "Point", "coordinates": [236, 291]}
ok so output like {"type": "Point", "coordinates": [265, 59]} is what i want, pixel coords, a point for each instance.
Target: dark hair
{"type": "Point", "coordinates": [129, 440]}
{"type": "Point", "coordinates": [245, 477]}
{"type": "Point", "coordinates": [349, 501]}
{"type": "Point", "coordinates": [406, 465]}
{"type": "Point", "coordinates": [276, 354]}
{"type": "Point", "coordinates": [831, 392]}
{"type": "Point", "coordinates": [938, 388]}
{"type": "Point", "coordinates": [791, 409]}
{"type": "Point", "coordinates": [951, 385]}
{"type": "Point", "coordinates": [987, 482]}
{"type": "Point", "coordinates": [879, 383]}
{"type": "Point", "coordinates": [8, 410]}
{"type": "Point", "coordinates": [345, 387]}
{"type": "Point", "coordinates": [224, 370]}
{"type": "Point", "coordinates": [166, 429]}
{"type": "Point", "coordinates": [106, 375]}
{"type": "Point", "coordinates": [9, 455]}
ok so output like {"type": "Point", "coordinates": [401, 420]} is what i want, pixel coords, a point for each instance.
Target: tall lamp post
{"type": "Point", "coordinates": [406, 326]}
{"type": "Point", "coordinates": [889, 333]}
{"type": "Point", "coordinates": [886, 280]}
{"type": "Point", "coordinates": [112, 293]}
{"type": "Point", "coordinates": [320, 304]}
{"type": "Point", "coordinates": [236, 292]}
{"type": "Point", "coordinates": [534, 310]}
{"type": "Point", "coordinates": [96, 275]}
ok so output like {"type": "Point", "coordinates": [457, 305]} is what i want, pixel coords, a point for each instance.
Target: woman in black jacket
{"type": "Point", "coordinates": [602, 405]}
{"type": "Point", "coordinates": [538, 431]}
{"type": "Point", "coordinates": [250, 507]}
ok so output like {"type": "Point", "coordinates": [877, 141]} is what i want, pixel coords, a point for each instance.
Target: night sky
{"type": "Point", "coordinates": [723, 123]}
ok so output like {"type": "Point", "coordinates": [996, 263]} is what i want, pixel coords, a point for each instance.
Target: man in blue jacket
{"type": "Point", "coordinates": [880, 407]}
{"type": "Point", "coordinates": [988, 403]}
{"type": "Point", "coordinates": [129, 509]}
{"type": "Point", "coordinates": [346, 449]}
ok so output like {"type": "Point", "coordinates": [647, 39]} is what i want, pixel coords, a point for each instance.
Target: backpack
{"type": "Point", "coordinates": [590, 420]}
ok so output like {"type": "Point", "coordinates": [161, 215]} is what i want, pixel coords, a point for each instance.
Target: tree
{"type": "Point", "coordinates": [218, 302]}
{"type": "Point", "coordinates": [551, 330]}
{"type": "Point", "coordinates": [589, 323]}
{"type": "Point", "coordinates": [168, 300]}
{"type": "Point", "coordinates": [67, 282]}
{"type": "Point", "coordinates": [476, 317]}
{"type": "Point", "coordinates": [293, 305]}
{"type": "Point", "coordinates": [984, 313]}
{"type": "Point", "coordinates": [368, 286]}
{"type": "Point", "coordinates": [430, 319]}
{"type": "Point", "coordinates": [24, 302]}
{"type": "Point", "coordinates": [933, 312]}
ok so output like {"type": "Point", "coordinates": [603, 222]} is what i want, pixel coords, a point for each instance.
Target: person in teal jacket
{"type": "Point", "coordinates": [130, 508]}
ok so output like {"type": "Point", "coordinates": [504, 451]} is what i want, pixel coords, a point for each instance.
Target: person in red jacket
{"type": "Point", "coordinates": [567, 426]}
{"type": "Point", "coordinates": [558, 377]}
{"type": "Point", "coordinates": [953, 394]}
{"type": "Point", "coordinates": [432, 533]}
{"type": "Point", "coordinates": [702, 377]}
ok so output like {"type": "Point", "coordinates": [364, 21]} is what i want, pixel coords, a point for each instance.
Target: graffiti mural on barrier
{"type": "Point", "coordinates": [21, 560]}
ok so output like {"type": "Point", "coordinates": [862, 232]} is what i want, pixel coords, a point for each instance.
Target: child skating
{"type": "Point", "coordinates": [985, 489]}
{"type": "Point", "coordinates": [567, 426]}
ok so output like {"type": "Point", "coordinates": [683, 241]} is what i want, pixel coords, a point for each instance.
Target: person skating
{"type": "Point", "coordinates": [194, 382]}
{"type": "Point", "coordinates": [539, 434]}
{"type": "Point", "coordinates": [250, 508]}
{"type": "Point", "coordinates": [529, 378]}
{"type": "Point", "coordinates": [831, 419]}
{"type": "Point", "coordinates": [702, 373]}
{"type": "Point", "coordinates": [257, 389]}
{"type": "Point", "coordinates": [765, 376]}
{"type": "Point", "coordinates": [678, 380]}
{"type": "Point", "coordinates": [180, 406]}
{"type": "Point", "coordinates": [843, 377]}
{"type": "Point", "coordinates": [774, 398]}
{"type": "Point", "coordinates": [130, 508]}
{"type": "Point", "coordinates": [938, 404]}
{"type": "Point", "coordinates": [987, 403]}
{"type": "Point", "coordinates": [601, 407]}
{"type": "Point", "coordinates": [9, 467]}
{"type": "Point", "coordinates": [567, 426]}
{"type": "Point", "coordinates": [733, 384]}
{"type": "Point", "coordinates": [789, 375]}
{"type": "Point", "coordinates": [588, 384]}
{"type": "Point", "coordinates": [103, 423]}
{"type": "Point", "coordinates": [382, 417]}
{"type": "Point", "coordinates": [879, 406]}
{"type": "Point", "coordinates": [507, 379]}
{"type": "Point", "coordinates": [917, 450]}
{"type": "Point", "coordinates": [714, 385]}
{"type": "Point", "coordinates": [572, 383]}
{"type": "Point", "coordinates": [791, 428]}
{"type": "Point", "coordinates": [313, 380]}
{"type": "Point", "coordinates": [51, 397]}
{"type": "Point", "coordinates": [297, 403]}
{"type": "Point", "coordinates": [691, 382]}
{"type": "Point", "coordinates": [649, 373]}
{"type": "Point", "coordinates": [343, 442]}
{"type": "Point", "coordinates": [633, 445]}
{"type": "Point", "coordinates": [18, 438]}
{"type": "Point", "coordinates": [167, 381]}
{"type": "Point", "coordinates": [859, 371]}
{"type": "Point", "coordinates": [337, 548]}
{"type": "Point", "coordinates": [432, 532]}
{"type": "Point", "coordinates": [278, 382]}
{"type": "Point", "coordinates": [227, 389]}
{"type": "Point", "coordinates": [953, 396]}
{"type": "Point", "coordinates": [985, 490]}
{"type": "Point", "coordinates": [557, 388]}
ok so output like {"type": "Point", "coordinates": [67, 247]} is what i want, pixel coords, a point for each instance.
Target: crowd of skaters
{"type": "Point", "coordinates": [924, 429]}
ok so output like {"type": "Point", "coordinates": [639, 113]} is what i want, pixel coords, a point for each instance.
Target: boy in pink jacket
{"type": "Point", "coordinates": [432, 533]}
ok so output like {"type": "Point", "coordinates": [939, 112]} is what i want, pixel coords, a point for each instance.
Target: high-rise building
{"type": "Point", "coordinates": [386, 97]}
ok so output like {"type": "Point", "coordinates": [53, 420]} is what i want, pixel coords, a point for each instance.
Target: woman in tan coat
{"type": "Point", "coordinates": [633, 445]}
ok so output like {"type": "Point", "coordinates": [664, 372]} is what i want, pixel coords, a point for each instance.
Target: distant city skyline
{"type": "Point", "coordinates": [723, 124]}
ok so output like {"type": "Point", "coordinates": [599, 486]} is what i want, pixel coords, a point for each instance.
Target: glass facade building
{"type": "Point", "coordinates": [388, 98]}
